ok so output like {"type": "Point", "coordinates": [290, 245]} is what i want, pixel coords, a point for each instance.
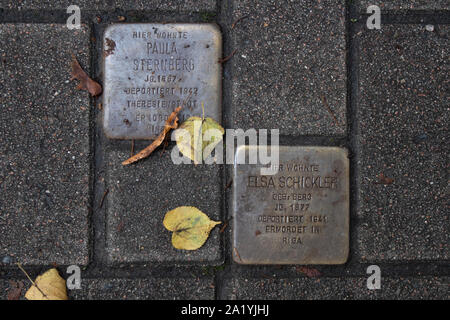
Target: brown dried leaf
{"type": "Point", "coordinates": [86, 83]}
{"type": "Point", "coordinates": [384, 180]}
{"type": "Point", "coordinates": [15, 290]}
{"type": "Point", "coordinates": [171, 123]}
{"type": "Point", "coordinates": [309, 272]}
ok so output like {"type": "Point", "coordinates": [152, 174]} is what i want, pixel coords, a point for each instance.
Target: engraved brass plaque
{"type": "Point", "coordinates": [150, 69]}
{"type": "Point", "coordinates": [299, 215]}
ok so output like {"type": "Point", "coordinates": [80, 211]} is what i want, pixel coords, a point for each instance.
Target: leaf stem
{"type": "Point", "coordinates": [34, 284]}
{"type": "Point", "coordinates": [203, 111]}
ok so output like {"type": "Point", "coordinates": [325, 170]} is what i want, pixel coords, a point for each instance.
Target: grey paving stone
{"type": "Point", "coordinates": [402, 134]}
{"type": "Point", "coordinates": [9, 289]}
{"type": "Point", "coordinates": [128, 289]}
{"type": "Point", "coordinates": [44, 146]}
{"type": "Point", "coordinates": [335, 288]}
{"type": "Point", "coordinates": [141, 194]}
{"type": "Point", "coordinates": [405, 5]}
{"type": "Point", "coordinates": [145, 289]}
{"type": "Point", "coordinates": [289, 71]}
{"type": "Point", "coordinates": [172, 5]}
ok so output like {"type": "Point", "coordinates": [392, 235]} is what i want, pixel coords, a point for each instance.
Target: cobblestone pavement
{"type": "Point", "coordinates": [65, 198]}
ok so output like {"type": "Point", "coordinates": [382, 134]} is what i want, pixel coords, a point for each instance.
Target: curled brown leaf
{"type": "Point", "coordinates": [382, 179]}
{"type": "Point", "coordinates": [15, 290]}
{"type": "Point", "coordinates": [309, 272]}
{"type": "Point", "coordinates": [171, 123]}
{"type": "Point", "coordinates": [86, 83]}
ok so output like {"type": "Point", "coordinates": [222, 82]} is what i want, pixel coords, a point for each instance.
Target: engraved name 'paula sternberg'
{"type": "Point", "coordinates": [292, 213]}
{"type": "Point", "coordinates": [162, 44]}
{"type": "Point", "coordinates": [163, 52]}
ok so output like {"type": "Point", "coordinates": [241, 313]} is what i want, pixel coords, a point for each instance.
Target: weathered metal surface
{"type": "Point", "coordinates": [300, 215]}
{"type": "Point", "coordinates": [150, 69]}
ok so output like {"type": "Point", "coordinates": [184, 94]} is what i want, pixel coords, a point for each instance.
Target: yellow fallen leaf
{"type": "Point", "coordinates": [190, 227]}
{"type": "Point", "coordinates": [50, 286]}
{"type": "Point", "coordinates": [197, 137]}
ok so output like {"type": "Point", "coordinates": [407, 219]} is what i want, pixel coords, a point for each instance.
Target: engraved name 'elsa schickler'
{"type": "Point", "coordinates": [299, 215]}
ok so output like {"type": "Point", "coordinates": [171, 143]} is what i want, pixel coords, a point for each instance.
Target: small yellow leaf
{"type": "Point", "coordinates": [196, 137]}
{"type": "Point", "coordinates": [50, 284]}
{"type": "Point", "coordinates": [190, 227]}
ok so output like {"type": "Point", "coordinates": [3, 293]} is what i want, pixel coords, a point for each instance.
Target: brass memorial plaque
{"type": "Point", "coordinates": [299, 215]}
{"type": "Point", "coordinates": [150, 69]}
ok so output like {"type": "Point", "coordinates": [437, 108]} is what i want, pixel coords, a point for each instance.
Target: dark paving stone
{"type": "Point", "coordinates": [9, 289]}
{"type": "Point", "coordinates": [145, 289]}
{"type": "Point", "coordinates": [128, 289]}
{"type": "Point", "coordinates": [335, 288]}
{"type": "Point", "coordinates": [290, 59]}
{"type": "Point", "coordinates": [402, 134]}
{"type": "Point", "coordinates": [405, 5]}
{"type": "Point", "coordinates": [44, 153]}
{"type": "Point", "coordinates": [173, 5]}
{"type": "Point", "coordinates": [141, 194]}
